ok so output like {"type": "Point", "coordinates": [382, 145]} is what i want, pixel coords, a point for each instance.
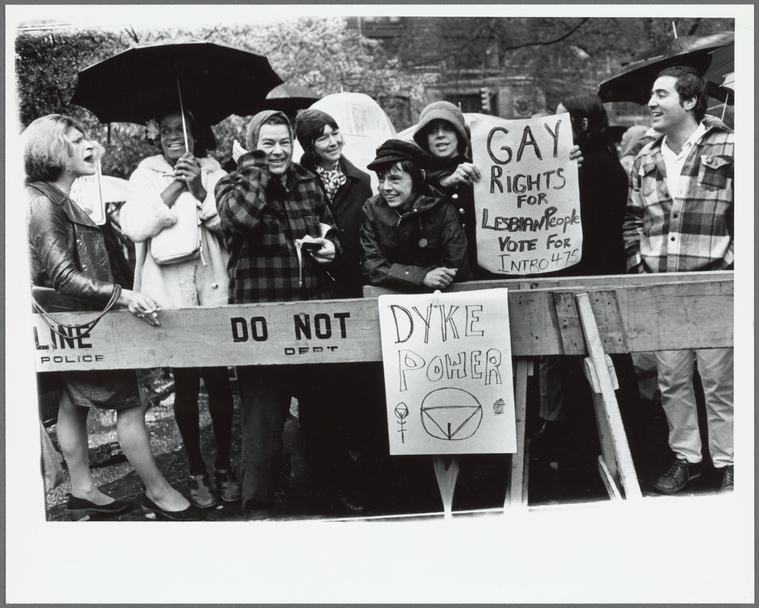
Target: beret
{"type": "Point", "coordinates": [396, 150]}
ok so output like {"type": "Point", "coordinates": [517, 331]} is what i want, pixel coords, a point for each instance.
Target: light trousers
{"type": "Point", "coordinates": [715, 366]}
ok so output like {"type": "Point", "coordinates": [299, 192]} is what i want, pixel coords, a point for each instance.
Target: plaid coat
{"type": "Point", "coordinates": [688, 234]}
{"type": "Point", "coordinates": [261, 218]}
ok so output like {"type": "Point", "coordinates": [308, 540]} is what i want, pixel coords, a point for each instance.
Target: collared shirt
{"type": "Point", "coordinates": [692, 230]}
{"type": "Point", "coordinates": [674, 161]}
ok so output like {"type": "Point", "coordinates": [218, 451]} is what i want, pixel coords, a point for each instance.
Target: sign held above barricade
{"type": "Point", "coordinates": [527, 201]}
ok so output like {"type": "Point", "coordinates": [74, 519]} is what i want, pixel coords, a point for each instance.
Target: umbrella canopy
{"type": "Point", "coordinates": [722, 67]}
{"type": "Point", "coordinates": [633, 81]}
{"type": "Point", "coordinates": [138, 84]}
{"type": "Point", "coordinates": [289, 98]}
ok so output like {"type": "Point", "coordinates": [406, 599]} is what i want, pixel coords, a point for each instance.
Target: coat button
{"type": "Point", "coordinates": [455, 196]}
{"type": "Point", "coordinates": [214, 285]}
{"type": "Point", "coordinates": [461, 211]}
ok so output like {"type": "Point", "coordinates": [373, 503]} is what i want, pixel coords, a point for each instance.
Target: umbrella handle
{"type": "Point", "coordinates": [184, 124]}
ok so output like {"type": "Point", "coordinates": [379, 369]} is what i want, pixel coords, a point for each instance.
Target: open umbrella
{"type": "Point", "coordinates": [633, 81]}
{"type": "Point", "coordinates": [210, 80]}
{"type": "Point", "coordinates": [289, 98]}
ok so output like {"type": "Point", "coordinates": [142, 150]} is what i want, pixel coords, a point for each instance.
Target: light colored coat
{"type": "Point", "coordinates": [199, 282]}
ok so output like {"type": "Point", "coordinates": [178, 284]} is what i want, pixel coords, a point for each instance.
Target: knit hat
{"type": "Point", "coordinates": [310, 123]}
{"type": "Point", "coordinates": [254, 127]}
{"type": "Point", "coordinates": [441, 110]}
{"type": "Point", "coordinates": [396, 150]}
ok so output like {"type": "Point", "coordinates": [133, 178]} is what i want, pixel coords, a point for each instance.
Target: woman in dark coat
{"type": "Point", "coordinates": [442, 133]}
{"type": "Point", "coordinates": [67, 253]}
{"type": "Point", "coordinates": [346, 187]}
{"type": "Point", "coordinates": [343, 423]}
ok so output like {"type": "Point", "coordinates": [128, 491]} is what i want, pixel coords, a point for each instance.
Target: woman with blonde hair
{"type": "Point", "coordinates": [67, 253]}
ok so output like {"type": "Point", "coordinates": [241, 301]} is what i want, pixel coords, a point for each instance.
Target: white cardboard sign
{"type": "Point", "coordinates": [448, 372]}
{"type": "Point", "coordinates": [86, 191]}
{"type": "Point", "coordinates": [527, 201]}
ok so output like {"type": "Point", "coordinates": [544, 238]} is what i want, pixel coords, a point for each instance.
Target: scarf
{"type": "Point", "coordinates": [332, 180]}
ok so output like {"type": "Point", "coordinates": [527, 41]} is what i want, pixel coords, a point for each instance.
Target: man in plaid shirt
{"type": "Point", "coordinates": [266, 208]}
{"type": "Point", "coordinates": [679, 218]}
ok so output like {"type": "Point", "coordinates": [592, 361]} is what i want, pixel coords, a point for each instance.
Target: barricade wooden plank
{"type": "Point", "coordinates": [655, 313]}
{"type": "Point", "coordinates": [584, 283]}
{"type": "Point", "coordinates": [570, 330]}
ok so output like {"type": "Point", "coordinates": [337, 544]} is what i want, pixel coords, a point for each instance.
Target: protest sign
{"type": "Point", "coordinates": [527, 202]}
{"type": "Point", "coordinates": [448, 374]}
{"type": "Point", "coordinates": [86, 191]}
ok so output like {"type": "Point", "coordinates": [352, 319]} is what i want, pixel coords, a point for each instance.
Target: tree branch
{"type": "Point", "coordinates": [564, 36]}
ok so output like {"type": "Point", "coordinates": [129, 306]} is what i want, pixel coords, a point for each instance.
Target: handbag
{"type": "Point", "coordinates": [180, 242]}
{"type": "Point", "coordinates": [46, 299]}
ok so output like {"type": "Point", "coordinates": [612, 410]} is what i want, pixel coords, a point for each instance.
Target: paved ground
{"type": "Point", "coordinates": [398, 485]}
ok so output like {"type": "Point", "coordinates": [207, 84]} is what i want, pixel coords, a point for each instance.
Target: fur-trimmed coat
{"type": "Point", "coordinates": [199, 282]}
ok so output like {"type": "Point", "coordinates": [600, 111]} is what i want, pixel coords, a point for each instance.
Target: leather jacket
{"type": "Point", "coordinates": [66, 248]}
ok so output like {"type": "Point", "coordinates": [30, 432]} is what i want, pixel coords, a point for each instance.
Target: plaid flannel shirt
{"type": "Point", "coordinates": [691, 233]}
{"type": "Point", "coordinates": [261, 218]}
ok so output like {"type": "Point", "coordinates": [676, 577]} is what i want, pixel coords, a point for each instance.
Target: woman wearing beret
{"type": "Point", "coordinates": [412, 237]}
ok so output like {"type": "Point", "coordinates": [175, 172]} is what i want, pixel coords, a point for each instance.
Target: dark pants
{"type": "Point", "coordinates": [266, 392]}
{"type": "Point", "coordinates": [187, 413]}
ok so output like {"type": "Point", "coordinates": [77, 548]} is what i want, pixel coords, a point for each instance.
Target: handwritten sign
{"type": "Point", "coordinates": [86, 191]}
{"type": "Point", "coordinates": [527, 202]}
{"type": "Point", "coordinates": [448, 374]}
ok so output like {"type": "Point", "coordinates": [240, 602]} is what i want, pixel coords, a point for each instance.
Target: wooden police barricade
{"type": "Point", "coordinates": [591, 316]}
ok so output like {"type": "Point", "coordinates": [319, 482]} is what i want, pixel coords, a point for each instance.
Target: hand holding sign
{"type": "Point", "coordinates": [465, 173]}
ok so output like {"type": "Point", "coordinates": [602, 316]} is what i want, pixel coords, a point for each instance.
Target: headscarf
{"type": "Point", "coordinates": [254, 128]}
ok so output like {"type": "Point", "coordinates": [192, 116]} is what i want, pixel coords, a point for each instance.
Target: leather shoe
{"type": "Point", "coordinates": [228, 485]}
{"type": "Point", "coordinates": [351, 506]}
{"type": "Point", "coordinates": [191, 513]}
{"type": "Point", "coordinates": [679, 474]}
{"type": "Point", "coordinates": [201, 492]}
{"type": "Point", "coordinates": [80, 509]}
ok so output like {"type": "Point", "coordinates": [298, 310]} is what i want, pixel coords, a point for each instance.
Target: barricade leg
{"type": "Point", "coordinates": [516, 492]}
{"type": "Point", "coordinates": [616, 450]}
{"type": "Point", "coordinates": [446, 471]}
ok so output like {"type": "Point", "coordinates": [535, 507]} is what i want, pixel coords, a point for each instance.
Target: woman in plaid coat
{"type": "Point", "coordinates": [267, 207]}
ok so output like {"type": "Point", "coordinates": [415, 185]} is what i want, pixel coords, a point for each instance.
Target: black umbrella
{"type": "Point", "coordinates": [214, 81]}
{"type": "Point", "coordinates": [289, 98]}
{"type": "Point", "coordinates": [633, 81]}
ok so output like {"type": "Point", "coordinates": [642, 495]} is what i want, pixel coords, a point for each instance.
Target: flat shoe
{"type": "Point", "coordinates": [229, 487]}
{"type": "Point", "coordinates": [191, 513]}
{"type": "Point", "coordinates": [80, 509]}
{"type": "Point", "coordinates": [348, 505]}
{"type": "Point", "coordinates": [201, 492]}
